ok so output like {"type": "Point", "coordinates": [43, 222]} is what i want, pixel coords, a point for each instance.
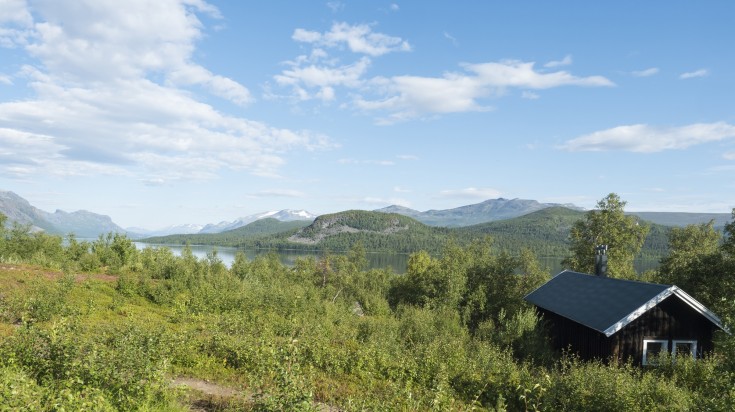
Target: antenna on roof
{"type": "Point", "coordinates": [601, 260]}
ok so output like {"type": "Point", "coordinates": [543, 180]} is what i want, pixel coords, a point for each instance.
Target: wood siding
{"type": "Point", "coordinates": [670, 320]}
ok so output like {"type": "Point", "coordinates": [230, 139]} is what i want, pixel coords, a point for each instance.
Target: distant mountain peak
{"type": "Point", "coordinates": [485, 211]}
{"type": "Point", "coordinates": [285, 215]}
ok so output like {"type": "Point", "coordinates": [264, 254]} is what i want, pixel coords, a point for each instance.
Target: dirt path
{"type": "Point", "coordinates": [205, 396]}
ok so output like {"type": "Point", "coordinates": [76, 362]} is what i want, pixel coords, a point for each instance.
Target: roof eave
{"type": "Point", "coordinates": [672, 290]}
{"type": "Point", "coordinates": [638, 312]}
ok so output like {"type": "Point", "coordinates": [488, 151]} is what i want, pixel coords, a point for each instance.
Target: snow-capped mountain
{"type": "Point", "coordinates": [285, 215]}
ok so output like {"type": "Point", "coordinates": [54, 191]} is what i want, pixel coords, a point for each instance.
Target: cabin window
{"type": "Point", "coordinates": [683, 347]}
{"type": "Point", "coordinates": [652, 348]}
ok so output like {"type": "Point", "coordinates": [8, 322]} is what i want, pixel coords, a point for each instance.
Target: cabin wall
{"type": "Point", "coordinates": [669, 320]}
{"type": "Point", "coordinates": [585, 342]}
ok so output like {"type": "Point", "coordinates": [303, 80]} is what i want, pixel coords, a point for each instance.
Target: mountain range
{"type": "Point", "coordinates": [87, 224]}
{"type": "Point", "coordinates": [487, 211]}
{"type": "Point", "coordinates": [285, 215]}
{"type": "Point", "coordinates": [82, 223]}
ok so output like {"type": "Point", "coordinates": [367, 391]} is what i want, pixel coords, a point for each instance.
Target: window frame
{"type": "Point", "coordinates": [693, 350]}
{"type": "Point", "coordinates": [664, 348]}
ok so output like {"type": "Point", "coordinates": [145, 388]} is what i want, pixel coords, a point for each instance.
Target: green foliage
{"type": "Point", "coordinates": [593, 386]}
{"type": "Point", "coordinates": [607, 225]}
{"type": "Point", "coordinates": [114, 251]}
{"type": "Point", "coordinates": [122, 369]}
{"type": "Point", "coordinates": [453, 333]}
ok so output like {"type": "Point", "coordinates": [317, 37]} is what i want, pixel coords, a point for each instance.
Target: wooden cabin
{"type": "Point", "coordinates": [599, 317]}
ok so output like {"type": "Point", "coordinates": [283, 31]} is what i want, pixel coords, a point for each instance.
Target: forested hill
{"type": "Point", "coordinates": [378, 232]}
{"type": "Point", "coordinates": [545, 232]}
{"type": "Point", "coordinates": [235, 237]}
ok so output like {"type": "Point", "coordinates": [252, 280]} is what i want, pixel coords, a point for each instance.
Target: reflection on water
{"type": "Point", "coordinates": [396, 262]}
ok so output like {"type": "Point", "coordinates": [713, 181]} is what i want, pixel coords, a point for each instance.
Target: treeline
{"type": "Point", "coordinates": [103, 326]}
{"type": "Point", "coordinates": [235, 237]}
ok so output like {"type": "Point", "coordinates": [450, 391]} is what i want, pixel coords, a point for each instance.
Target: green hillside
{"type": "Point", "coordinates": [378, 232]}
{"type": "Point", "coordinates": [545, 231]}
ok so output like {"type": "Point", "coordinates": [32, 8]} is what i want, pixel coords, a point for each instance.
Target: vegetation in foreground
{"type": "Point", "coordinates": [102, 326]}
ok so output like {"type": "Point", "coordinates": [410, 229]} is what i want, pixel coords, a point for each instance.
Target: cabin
{"type": "Point", "coordinates": [598, 317]}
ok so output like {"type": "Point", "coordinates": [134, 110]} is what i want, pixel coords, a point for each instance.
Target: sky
{"type": "Point", "coordinates": [166, 112]}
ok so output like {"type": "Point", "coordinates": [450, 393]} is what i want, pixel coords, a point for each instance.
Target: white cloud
{"type": "Point", "coordinates": [399, 189]}
{"type": "Point", "coordinates": [322, 78]}
{"type": "Point", "coordinates": [318, 76]}
{"type": "Point", "coordinates": [4, 79]}
{"type": "Point", "coordinates": [728, 156]}
{"type": "Point", "coordinates": [358, 38]}
{"type": "Point", "coordinates": [646, 73]}
{"type": "Point", "coordinates": [407, 97]}
{"type": "Point", "coordinates": [109, 99]}
{"type": "Point", "coordinates": [218, 85]}
{"type": "Point", "coordinates": [647, 139]}
{"type": "Point", "coordinates": [566, 61]}
{"type": "Point", "coordinates": [514, 73]}
{"type": "Point", "coordinates": [15, 23]}
{"type": "Point", "coordinates": [471, 193]}
{"type": "Point", "coordinates": [451, 39]}
{"type": "Point", "coordinates": [335, 6]}
{"type": "Point", "coordinates": [394, 7]}
{"type": "Point", "coordinates": [694, 74]}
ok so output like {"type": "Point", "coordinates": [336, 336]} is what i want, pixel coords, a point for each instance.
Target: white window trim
{"type": "Point", "coordinates": [692, 342]}
{"type": "Point", "coordinates": [664, 348]}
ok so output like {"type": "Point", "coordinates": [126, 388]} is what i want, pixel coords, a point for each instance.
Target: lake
{"type": "Point", "coordinates": [396, 262]}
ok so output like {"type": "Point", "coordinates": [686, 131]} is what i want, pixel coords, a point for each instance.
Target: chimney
{"type": "Point", "coordinates": [601, 260]}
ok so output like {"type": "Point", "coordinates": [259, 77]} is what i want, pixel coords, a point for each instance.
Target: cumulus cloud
{"type": "Point", "coordinates": [110, 84]}
{"type": "Point", "coordinates": [643, 138]}
{"type": "Point", "coordinates": [566, 61]}
{"type": "Point", "coordinates": [15, 23]}
{"type": "Point", "coordinates": [358, 38]}
{"type": "Point", "coordinates": [694, 74]}
{"type": "Point", "coordinates": [320, 76]}
{"type": "Point", "coordinates": [471, 193]}
{"type": "Point", "coordinates": [407, 97]}
{"type": "Point", "coordinates": [646, 73]}
{"type": "Point", "coordinates": [315, 76]}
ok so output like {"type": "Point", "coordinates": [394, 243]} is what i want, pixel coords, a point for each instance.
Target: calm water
{"type": "Point", "coordinates": [396, 262]}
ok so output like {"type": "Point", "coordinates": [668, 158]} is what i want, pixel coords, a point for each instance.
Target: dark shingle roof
{"type": "Point", "coordinates": [606, 304]}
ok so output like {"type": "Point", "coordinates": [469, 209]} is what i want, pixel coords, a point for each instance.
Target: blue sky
{"type": "Point", "coordinates": [167, 112]}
